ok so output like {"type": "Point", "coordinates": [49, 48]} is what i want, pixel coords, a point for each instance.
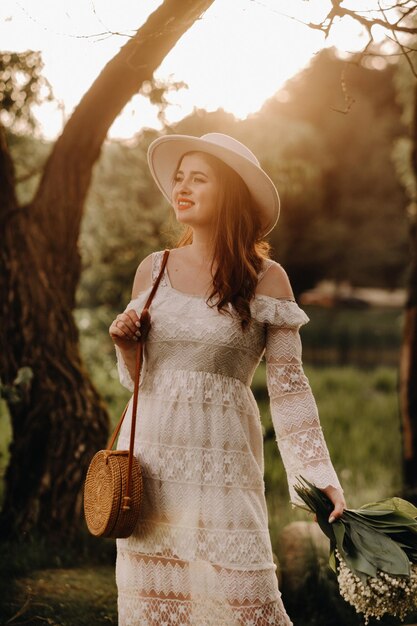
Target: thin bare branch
{"type": "Point", "coordinates": [338, 10]}
{"type": "Point", "coordinates": [405, 52]}
{"type": "Point", "coordinates": [348, 99]}
{"type": "Point", "coordinates": [409, 11]}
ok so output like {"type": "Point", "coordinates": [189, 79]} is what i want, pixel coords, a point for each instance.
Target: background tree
{"type": "Point", "coordinates": [60, 420]}
{"type": "Point", "coordinates": [405, 156]}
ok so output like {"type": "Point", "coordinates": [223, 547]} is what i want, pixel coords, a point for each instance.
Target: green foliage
{"type": "Point", "coordinates": [125, 220]}
{"type": "Point", "coordinates": [21, 86]}
{"type": "Point", "coordinates": [156, 91]}
{"type": "Point", "coordinates": [336, 218]}
{"type": "Point", "coordinates": [98, 353]}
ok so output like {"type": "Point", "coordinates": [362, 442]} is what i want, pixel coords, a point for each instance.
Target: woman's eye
{"type": "Point", "coordinates": [198, 180]}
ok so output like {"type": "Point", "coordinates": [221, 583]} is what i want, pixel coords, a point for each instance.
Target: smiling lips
{"type": "Point", "coordinates": [184, 203]}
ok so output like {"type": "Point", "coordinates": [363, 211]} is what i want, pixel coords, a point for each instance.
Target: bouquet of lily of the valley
{"type": "Point", "coordinates": [373, 552]}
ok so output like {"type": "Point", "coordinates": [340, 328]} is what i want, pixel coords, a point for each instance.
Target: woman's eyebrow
{"type": "Point", "coordinates": [193, 172]}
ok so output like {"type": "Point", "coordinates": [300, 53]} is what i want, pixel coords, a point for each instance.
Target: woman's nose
{"type": "Point", "coordinates": [183, 186]}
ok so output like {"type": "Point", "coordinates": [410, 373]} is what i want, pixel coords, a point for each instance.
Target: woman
{"type": "Point", "coordinates": [201, 552]}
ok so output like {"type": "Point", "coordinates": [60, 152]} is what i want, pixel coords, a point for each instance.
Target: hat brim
{"type": "Point", "coordinates": [164, 153]}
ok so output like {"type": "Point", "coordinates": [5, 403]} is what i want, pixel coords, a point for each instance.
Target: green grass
{"type": "Point", "coordinates": [63, 597]}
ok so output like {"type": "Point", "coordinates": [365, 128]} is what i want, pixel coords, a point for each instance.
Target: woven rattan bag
{"type": "Point", "coordinates": [113, 486]}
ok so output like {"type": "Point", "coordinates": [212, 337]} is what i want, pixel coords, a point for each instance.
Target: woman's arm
{"type": "Point", "coordinates": [294, 412]}
{"type": "Point", "coordinates": [125, 346]}
{"type": "Point", "coordinates": [126, 364]}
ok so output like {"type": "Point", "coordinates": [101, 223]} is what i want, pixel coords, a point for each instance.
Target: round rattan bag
{"type": "Point", "coordinates": [107, 512]}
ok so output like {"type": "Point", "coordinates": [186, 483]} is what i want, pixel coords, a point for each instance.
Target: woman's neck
{"type": "Point", "coordinates": [200, 251]}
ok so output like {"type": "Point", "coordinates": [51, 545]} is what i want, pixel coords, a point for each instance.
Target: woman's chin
{"type": "Point", "coordinates": [186, 217]}
{"type": "Point", "coordinates": [183, 218]}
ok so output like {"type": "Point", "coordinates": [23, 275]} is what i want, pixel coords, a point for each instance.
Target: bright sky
{"type": "Point", "coordinates": [239, 54]}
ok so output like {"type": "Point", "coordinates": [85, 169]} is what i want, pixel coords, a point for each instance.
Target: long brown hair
{"type": "Point", "coordinates": [237, 242]}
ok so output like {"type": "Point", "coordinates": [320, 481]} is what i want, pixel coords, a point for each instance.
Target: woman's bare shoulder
{"type": "Point", "coordinates": [143, 275]}
{"type": "Point", "coordinates": [275, 282]}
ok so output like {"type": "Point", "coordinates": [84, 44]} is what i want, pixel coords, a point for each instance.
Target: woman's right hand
{"type": "Point", "coordinates": [125, 329]}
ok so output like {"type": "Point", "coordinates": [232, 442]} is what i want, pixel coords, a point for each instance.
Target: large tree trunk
{"type": "Point", "coordinates": [60, 421]}
{"type": "Point", "coordinates": [408, 359]}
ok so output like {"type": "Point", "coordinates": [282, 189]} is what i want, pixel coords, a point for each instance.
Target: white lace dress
{"type": "Point", "coordinates": [201, 553]}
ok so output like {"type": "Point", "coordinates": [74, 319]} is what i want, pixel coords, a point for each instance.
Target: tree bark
{"type": "Point", "coordinates": [60, 421]}
{"type": "Point", "coordinates": [408, 356]}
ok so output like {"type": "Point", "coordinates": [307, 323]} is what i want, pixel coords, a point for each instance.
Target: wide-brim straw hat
{"type": "Point", "coordinates": [165, 151]}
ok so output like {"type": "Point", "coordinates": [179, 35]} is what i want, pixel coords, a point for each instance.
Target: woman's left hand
{"type": "Point", "coordinates": [337, 498]}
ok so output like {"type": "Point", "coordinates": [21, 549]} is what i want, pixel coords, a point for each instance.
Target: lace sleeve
{"type": "Point", "coordinates": [124, 374]}
{"type": "Point", "coordinates": [293, 407]}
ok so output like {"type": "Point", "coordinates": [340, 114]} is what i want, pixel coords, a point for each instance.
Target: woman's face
{"type": "Point", "coordinates": [195, 191]}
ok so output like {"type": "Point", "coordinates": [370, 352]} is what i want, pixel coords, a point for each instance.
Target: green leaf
{"type": "Point", "coordinates": [394, 504]}
{"type": "Point", "coordinates": [360, 566]}
{"type": "Point", "coordinates": [379, 550]}
{"type": "Point", "coordinates": [353, 558]}
{"type": "Point", "coordinates": [332, 561]}
{"type": "Point", "coordinates": [386, 519]}
{"type": "Point", "coordinates": [339, 533]}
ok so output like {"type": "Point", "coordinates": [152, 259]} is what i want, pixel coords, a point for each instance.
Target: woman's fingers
{"type": "Point", "coordinates": [338, 500]}
{"type": "Point", "coordinates": [337, 511]}
{"type": "Point", "coordinates": [126, 325]}
{"type": "Point", "coordinates": [133, 321]}
{"type": "Point", "coordinates": [114, 331]}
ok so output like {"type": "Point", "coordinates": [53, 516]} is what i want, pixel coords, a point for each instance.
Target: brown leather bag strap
{"type": "Point", "coordinates": [145, 318]}
{"type": "Point", "coordinates": [145, 322]}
